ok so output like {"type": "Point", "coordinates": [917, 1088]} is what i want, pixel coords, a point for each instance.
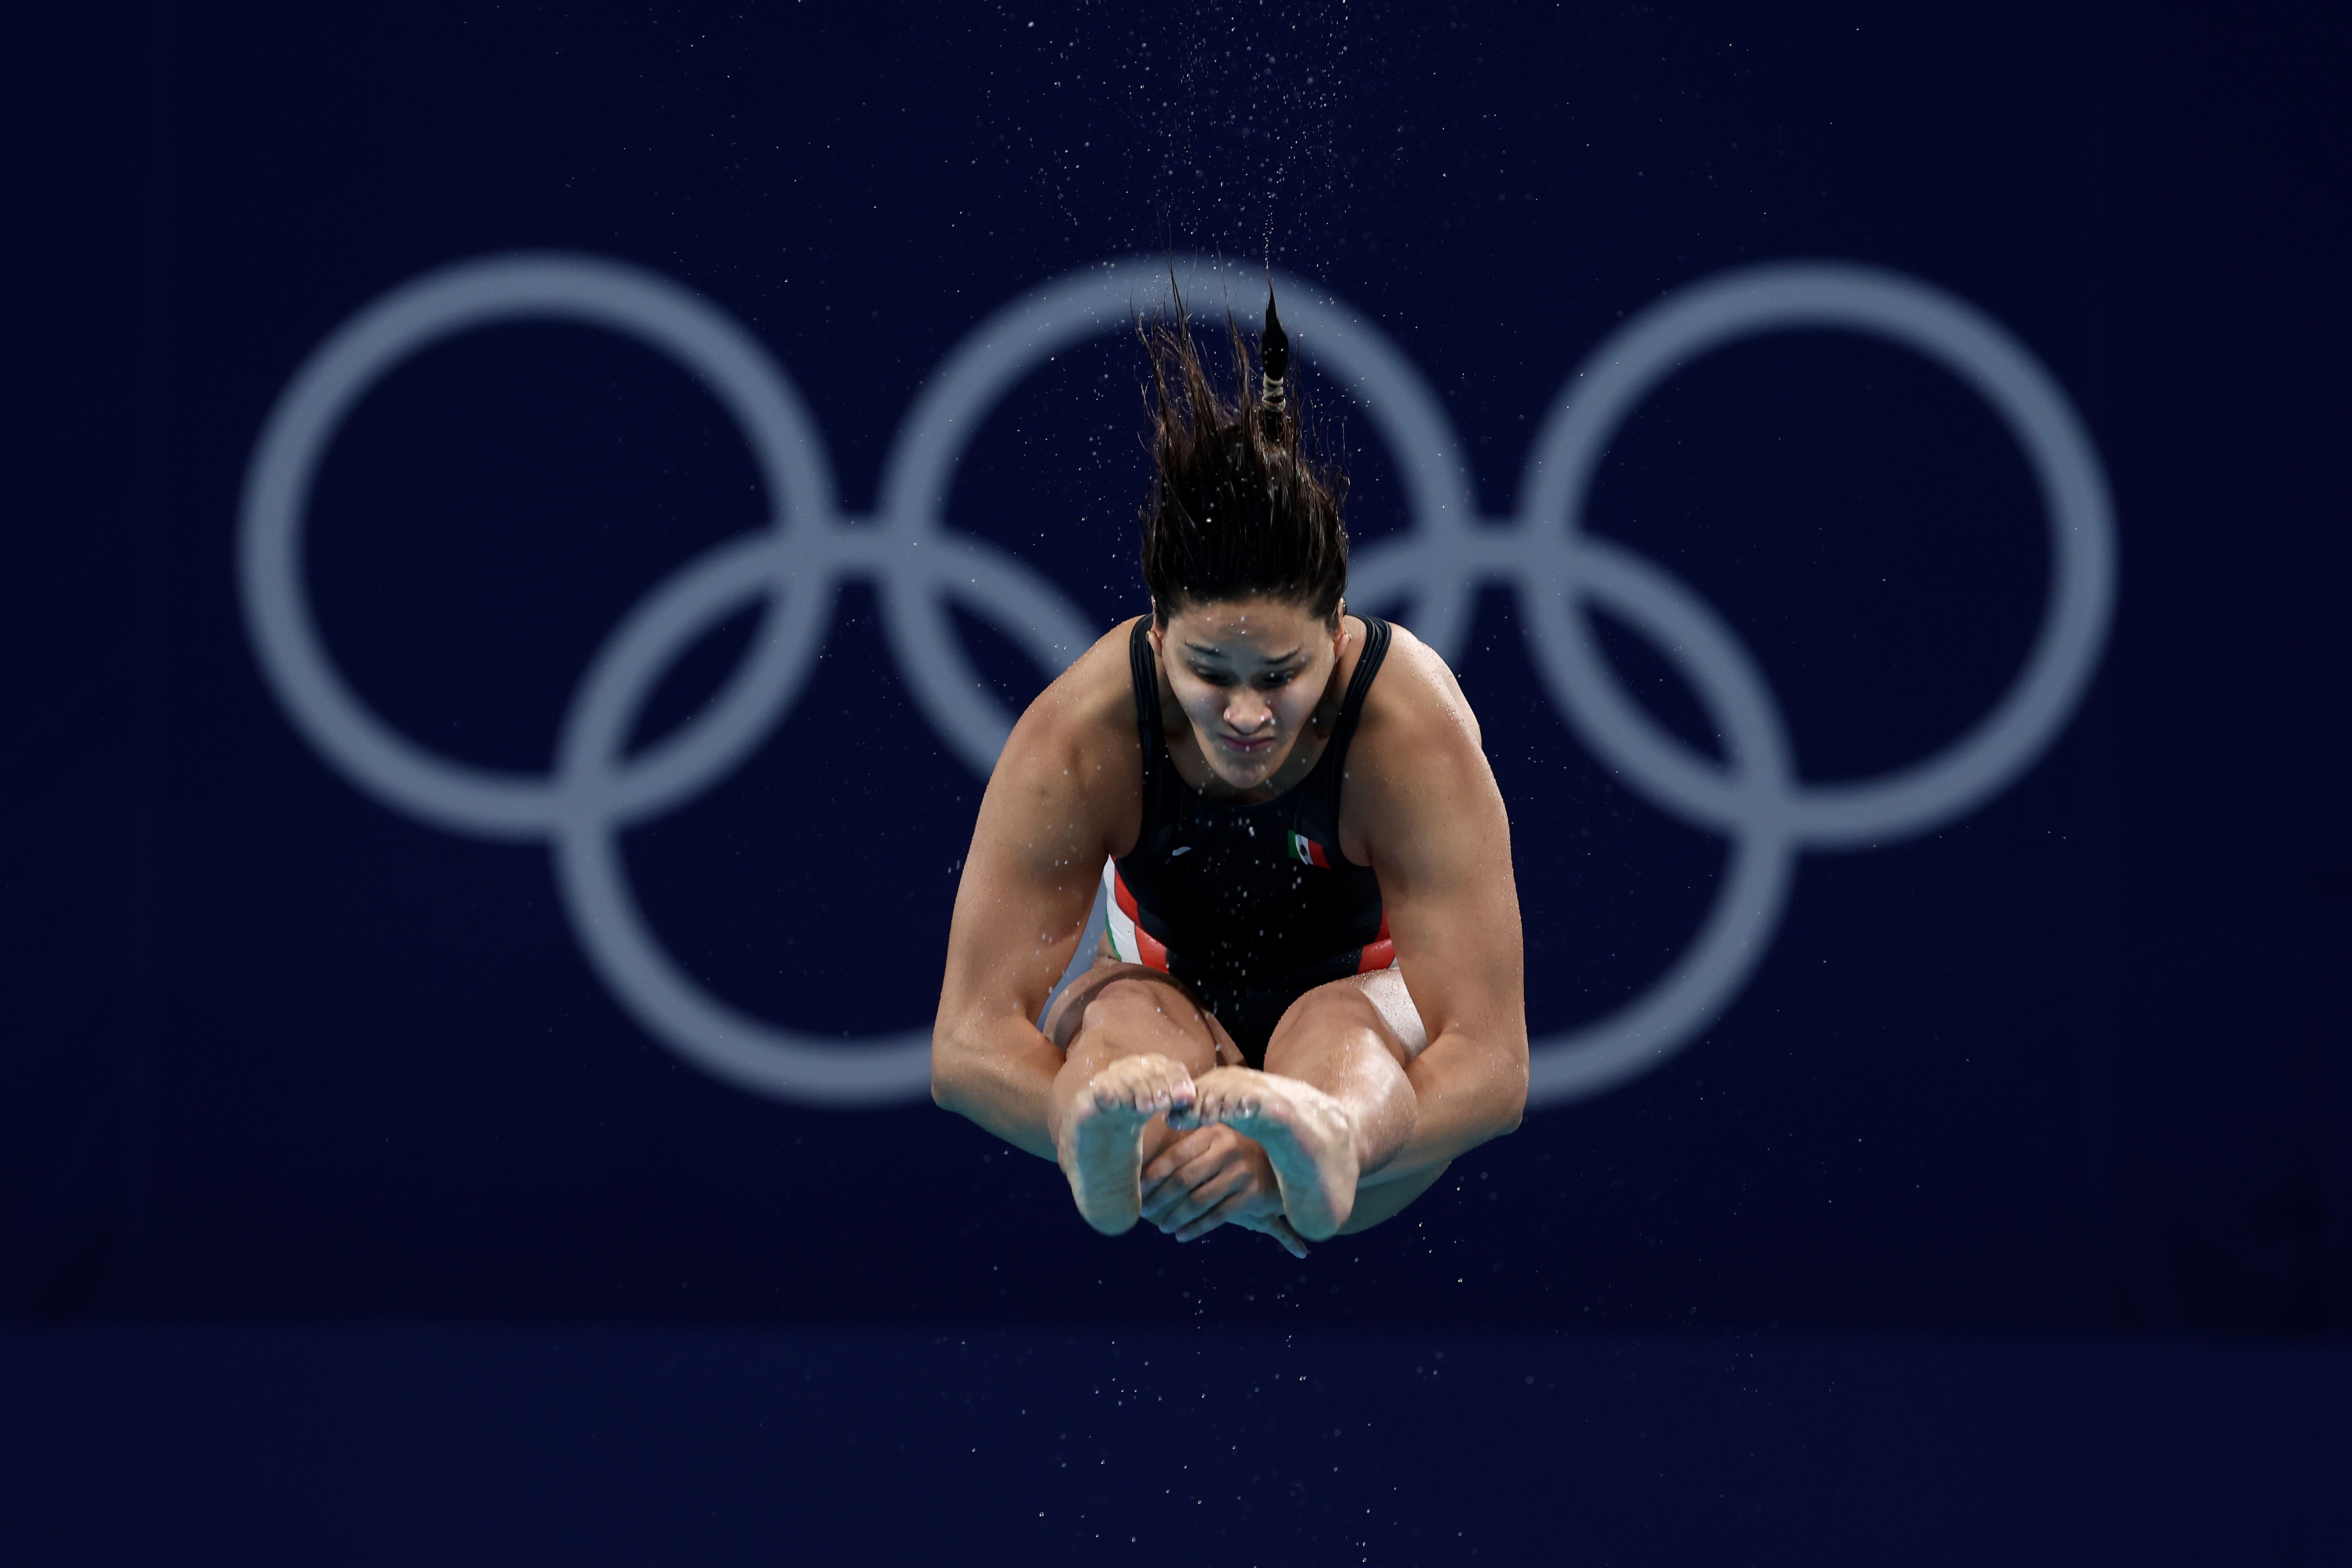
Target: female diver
{"type": "Point", "coordinates": [1309, 996]}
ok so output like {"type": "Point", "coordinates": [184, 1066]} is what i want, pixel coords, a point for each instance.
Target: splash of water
{"type": "Point", "coordinates": [1218, 125]}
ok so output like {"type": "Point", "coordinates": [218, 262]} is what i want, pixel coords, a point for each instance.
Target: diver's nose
{"type": "Point", "coordinates": [1248, 714]}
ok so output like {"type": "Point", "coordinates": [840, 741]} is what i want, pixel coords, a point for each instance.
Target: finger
{"type": "Point", "coordinates": [1220, 1152]}
{"type": "Point", "coordinates": [1175, 1155]}
{"type": "Point", "coordinates": [1181, 1202]}
{"type": "Point", "coordinates": [1221, 1189]}
{"type": "Point", "coordinates": [1213, 1219]}
{"type": "Point", "coordinates": [1291, 1243]}
{"type": "Point", "coordinates": [1275, 1225]}
{"type": "Point", "coordinates": [1193, 1188]}
{"type": "Point", "coordinates": [1181, 1187]}
{"type": "Point", "coordinates": [1217, 1150]}
{"type": "Point", "coordinates": [1172, 1204]}
{"type": "Point", "coordinates": [1188, 1158]}
{"type": "Point", "coordinates": [1202, 1224]}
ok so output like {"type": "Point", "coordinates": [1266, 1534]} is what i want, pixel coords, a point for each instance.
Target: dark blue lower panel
{"type": "Point", "coordinates": [262, 1446]}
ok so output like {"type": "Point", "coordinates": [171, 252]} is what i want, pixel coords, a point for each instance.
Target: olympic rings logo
{"type": "Point", "coordinates": [1754, 797]}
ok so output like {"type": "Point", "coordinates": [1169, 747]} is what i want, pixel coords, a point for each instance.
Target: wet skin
{"type": "Point", "coordinates": [1247, 681]}
{"type": "Point", "coordinates": [1373, 1084]}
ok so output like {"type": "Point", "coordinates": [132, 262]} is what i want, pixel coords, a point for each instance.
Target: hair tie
{"type": "Point", "coordinates": [1274, 357]}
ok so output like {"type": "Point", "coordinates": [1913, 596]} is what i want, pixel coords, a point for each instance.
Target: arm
{"type": "Point", "coordinates": [1046, 823]}
{"type": "Point", "coordinates": [1432, 823]}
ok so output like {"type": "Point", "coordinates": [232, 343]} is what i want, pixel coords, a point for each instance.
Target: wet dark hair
{"type": "Point", "coordinates": [1236, 508]}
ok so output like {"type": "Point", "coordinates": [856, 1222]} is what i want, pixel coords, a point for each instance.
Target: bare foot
{"type": "Point", "coordinates": [1308, 1138]}
{"type": "Point", "coordinates": [1100, 1141]}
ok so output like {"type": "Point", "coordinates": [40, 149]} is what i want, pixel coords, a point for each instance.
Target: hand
{"type": "Point", "coordinates": [1212, 1176]}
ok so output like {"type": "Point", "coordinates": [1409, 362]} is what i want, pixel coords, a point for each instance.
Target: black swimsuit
{"type": "Point", "coordinates": [1251, 906]}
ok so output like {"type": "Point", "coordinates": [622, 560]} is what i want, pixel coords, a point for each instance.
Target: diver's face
{"type": "Point", "coordinates": [1248, 674]}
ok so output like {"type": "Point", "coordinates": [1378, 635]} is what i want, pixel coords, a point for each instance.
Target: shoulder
{"type": "Point", "coordinates": [1416, 770]}
{"type": "Point", "coordinates": [1092, 700]}
{"type": "Point", "coordinates": [1078, 741]}
{"type": "Point", "coordinates": [1414, 701]}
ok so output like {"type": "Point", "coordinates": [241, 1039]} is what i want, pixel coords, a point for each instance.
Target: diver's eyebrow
{"type": "Point", "coordinates": [1219, 654]}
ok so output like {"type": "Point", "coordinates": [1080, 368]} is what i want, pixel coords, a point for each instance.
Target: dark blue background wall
{"type": "Point", "coordinates": [2079, 1058]}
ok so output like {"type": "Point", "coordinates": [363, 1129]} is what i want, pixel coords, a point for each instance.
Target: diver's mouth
{"type": "Point", "coordinates": [1254, 746]}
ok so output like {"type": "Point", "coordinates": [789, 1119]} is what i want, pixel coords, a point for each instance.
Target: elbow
{"type": "Point", "coordinates": [1510, 1117]}
{"type": "Point", "coordinates": [948, 1094]}
{"type": "Point", "coordinates": [1515, 1109]}
{"type": "Point", "coordinates": [948, 1076]}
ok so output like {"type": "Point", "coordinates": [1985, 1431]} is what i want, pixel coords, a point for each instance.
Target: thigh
{"type": "Point", "coordinates": [1347, 1017]}
{"type": "Point", "coordinates": [1353, 1039]}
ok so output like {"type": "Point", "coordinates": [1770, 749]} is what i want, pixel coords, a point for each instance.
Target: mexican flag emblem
{"type": "Point", "coordinates": [1307, 852]}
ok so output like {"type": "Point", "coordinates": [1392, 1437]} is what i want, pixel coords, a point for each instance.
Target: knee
{"type": "Point", "coordinates": [1326, 1013]}
{"type": "Point", "coordinates": [1130, 1016]}
{"type": "Point", "coordinates": [1124, 1005]}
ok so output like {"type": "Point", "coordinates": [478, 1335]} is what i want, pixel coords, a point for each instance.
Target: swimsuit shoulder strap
{"type": "Point", "coordinates": [1368, 665]}
{"type": "Point", "coordinates": [1334, 760]}
{"type": "Point", "coordinates": [1144, 670]}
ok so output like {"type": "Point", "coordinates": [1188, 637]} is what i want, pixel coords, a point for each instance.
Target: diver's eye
{"type": "Point", "coordinates": [1211, 677]}
{"type": "Point", "coordinates": [1277, 679]}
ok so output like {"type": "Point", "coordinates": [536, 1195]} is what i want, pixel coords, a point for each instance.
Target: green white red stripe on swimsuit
{"type": "Point", "coordinates": [1131, 943]}
{"type": "Point", "coordinates": [1129, 940]}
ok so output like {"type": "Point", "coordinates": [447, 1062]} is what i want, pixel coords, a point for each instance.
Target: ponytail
{"type": "Point", "coordinates": [1237, 508]}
